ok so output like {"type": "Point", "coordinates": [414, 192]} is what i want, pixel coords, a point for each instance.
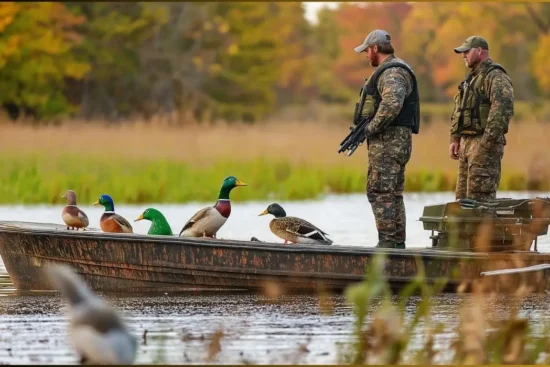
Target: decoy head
{"type": "Point", "coordinates": [70, 195]}
{"type": "Point", "coordinates": [231, 182]}
{"type": "Point", "coordinates": [274, 209]}
{"type": "Point", "coordinates": [106, 201]}
{"type": "Point", "coordinates": [150, 214]}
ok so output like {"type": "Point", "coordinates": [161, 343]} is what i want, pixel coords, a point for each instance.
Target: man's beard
{"type": "Point", "coordinates": [373, 62]}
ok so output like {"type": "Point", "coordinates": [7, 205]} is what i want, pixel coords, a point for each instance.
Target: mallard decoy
{"type": "Point", "coordinates": [97, 332]}
{"type": "Point", "coordinates": [292, 229]}
{"type": "Point", "coordinates": [159, 224]}
{"type": "Point", "coordinates": [110, 221]}
{"type": "Point", "coordinates": [207, 221]}
{"type": "Point", "coordinates": [73, 217]}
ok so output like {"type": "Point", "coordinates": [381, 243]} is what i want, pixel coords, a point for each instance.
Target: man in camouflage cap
{"type": "Point", "coordinates": [392, 105]}
{"type": "Point", "coordinates": [484, 105]}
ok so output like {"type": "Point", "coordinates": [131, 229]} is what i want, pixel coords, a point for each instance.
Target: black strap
{"type": "Point", "coordinates": [373, 81]}
{"type": "Point", "coordinates": [372, 87]}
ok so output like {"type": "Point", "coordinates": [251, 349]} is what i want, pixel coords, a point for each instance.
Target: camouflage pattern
{"type": "Point", "coordinates": [499, 91]}
{"type": "Point", "coordinates": [480, 156]}
{"type": "Point", "coordinates": [389, 150]}
{"type": "Point", "coordinates": [394, 85]}
{"type": "Point", "coordinates": [478, 169]}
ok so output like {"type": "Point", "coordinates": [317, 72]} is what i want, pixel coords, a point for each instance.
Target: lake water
{"type": "Point", "coordinates": [33, 327]}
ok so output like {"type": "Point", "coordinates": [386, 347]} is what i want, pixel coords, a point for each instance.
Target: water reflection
{"type": "Point", "coordinates": [178, 328]}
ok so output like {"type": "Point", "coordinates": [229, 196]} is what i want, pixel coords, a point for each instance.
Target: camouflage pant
{"type": "Point", "coordinates": [478, 169]}
{"type": "Point", "coordinates": [389, 152]}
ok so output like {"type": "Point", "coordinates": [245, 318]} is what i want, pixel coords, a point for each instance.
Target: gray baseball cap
{"type": "Point", "coordinates": [376, 37]}
{"type": "Point", "coordinates": [472, 42]}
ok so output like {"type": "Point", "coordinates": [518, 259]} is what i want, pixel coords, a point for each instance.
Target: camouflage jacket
{"type": "Point", "coordinates": [500, 93]}
{"type": "Point", "coordinates": [394, 85]}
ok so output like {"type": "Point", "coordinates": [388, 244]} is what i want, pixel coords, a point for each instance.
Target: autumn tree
{"type": "Point", "coordinates": [202, 61]}
{"type": "Point", "coordinates": [260, 59]}
{"type": "Point", "coordinates": [295, 82]}
{"type": "Point", "coordinates": [538, 15]}
{"type": "Point", "coordinates": [434, 29]}
{"type": "Point", "coordinates": [37, 43]}
{"type": "Point", "coordinates": [113, 34]}
{"type": "Point", "coordinates": [326, 50]}
{"type": "Point", "coordinates": [356, 22]}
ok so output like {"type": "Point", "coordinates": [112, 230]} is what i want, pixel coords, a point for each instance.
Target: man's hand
{"type": "Point", "coordinates": [453, 150]}
{"type": "Point", "coordinates": [368, 132]}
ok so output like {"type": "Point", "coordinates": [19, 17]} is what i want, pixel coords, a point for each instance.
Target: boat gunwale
{"type": "Point", "coordinates": [501, 220]}
{"type": "Point", "coordinates": [8, 227]}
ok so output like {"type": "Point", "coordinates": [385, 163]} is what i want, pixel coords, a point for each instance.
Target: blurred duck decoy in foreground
{"type": "Point", "coordinates": [292, 229]}
{"type": "Point", "coordinates": [73, 217]}
{"type": "Point", "coordinates": [95, 329]}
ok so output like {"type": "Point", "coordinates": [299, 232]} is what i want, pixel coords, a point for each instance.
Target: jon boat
{"type": "Point", "coordinates": [492, 244]}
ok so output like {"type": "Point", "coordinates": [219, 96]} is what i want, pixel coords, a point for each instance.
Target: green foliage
{"type": "Point", "coordinates": [33, 179]}
{"type": "Point", "coordinates": [37, 55]}
{"type": "Point", "coordinates": [326, 43]}
{"type": "Point", "coordinates": [267, 42]}
{"type": "Point", "coordinates": [201, 61]}
{"type": "Point", "coordinates": [114, 35]}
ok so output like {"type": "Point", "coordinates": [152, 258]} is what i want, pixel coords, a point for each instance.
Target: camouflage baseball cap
{"type": "Point", "coordinates": [376, 37]}
{"type": "Point", "coordinates": [472, 42]}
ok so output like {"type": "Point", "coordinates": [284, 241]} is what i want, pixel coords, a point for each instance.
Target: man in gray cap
{"type": "Point", "coordinates": [393, 108]}
{"type": "Point", "coordinates": [484, 105]}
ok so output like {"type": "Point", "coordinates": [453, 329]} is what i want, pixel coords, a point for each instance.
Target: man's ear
{"type": "Point", "coordinates": [375, 48]}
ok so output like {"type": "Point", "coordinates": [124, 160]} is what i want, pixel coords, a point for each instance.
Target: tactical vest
{"type": "Point", "coordinates": [473, 103]}
{"type": "Point", "coordinates": [409, 115]}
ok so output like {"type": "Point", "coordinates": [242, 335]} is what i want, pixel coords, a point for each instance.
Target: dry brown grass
{"type": "Point", "coordinates": [191, 144]}
{"type": "Point", "coordinates": [300, 141]}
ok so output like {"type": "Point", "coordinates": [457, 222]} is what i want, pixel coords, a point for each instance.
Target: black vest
{"type": "Point", "coordinates": [409, 115]}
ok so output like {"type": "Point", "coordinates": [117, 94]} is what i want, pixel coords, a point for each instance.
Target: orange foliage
{"type": "Point", "coordinates": [424, 35]}
{"type": "Point", "coordinates": [356, 22]}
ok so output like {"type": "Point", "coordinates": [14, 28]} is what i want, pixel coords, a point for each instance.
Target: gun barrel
{"type": "Point", "coordinates": [354, 139]}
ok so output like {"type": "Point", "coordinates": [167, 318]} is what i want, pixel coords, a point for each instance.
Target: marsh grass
{"type": "Point", "coordinates": [157, 162]}
{"type": "Point", "coordinates": [385, 325]}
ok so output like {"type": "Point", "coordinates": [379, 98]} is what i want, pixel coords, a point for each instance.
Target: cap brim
{"type": "Point", "coordinates": [461, 49]}
{"type": "Point", "coordinates": [361, 48]}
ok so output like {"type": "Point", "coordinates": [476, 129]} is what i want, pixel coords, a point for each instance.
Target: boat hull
{"type": "Point", "coordinates": [131, 263]}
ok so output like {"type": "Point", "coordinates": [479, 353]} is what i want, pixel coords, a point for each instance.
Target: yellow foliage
{"type": "Point", "coordinates": [153, 11]}
{"type": "Point", "coordinates": [10, 47]}
{"type": "Point", "coordinates": [198, 62]}
{"type": "Point", "coordinates": [49, 43]}
{"type": "Point", "coordinates": [35, 54]}
{"type": "Point", "coordinates": [8, 8]}
{"type": "Point", "coordinates": [223, 27]}
{"type": "Point", "coordinates": [215, 68]}
{"type": "Point", "coordinates": [439, 27]}
{"type": "Point", "coordinates": [7, 13]}
{"type": "Point", "coordinates": [233, 49]}
{"type": "Point", "coordinates": [541, 68]}
{"type": "Point", "coordinates": [76, 69]}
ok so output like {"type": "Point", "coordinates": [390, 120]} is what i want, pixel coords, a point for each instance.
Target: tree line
{"type": "Point", "coordinates": [243, 61]}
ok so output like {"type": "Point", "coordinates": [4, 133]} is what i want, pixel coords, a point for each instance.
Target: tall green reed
{"type": "Point", "coordinates": [36, 179]}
